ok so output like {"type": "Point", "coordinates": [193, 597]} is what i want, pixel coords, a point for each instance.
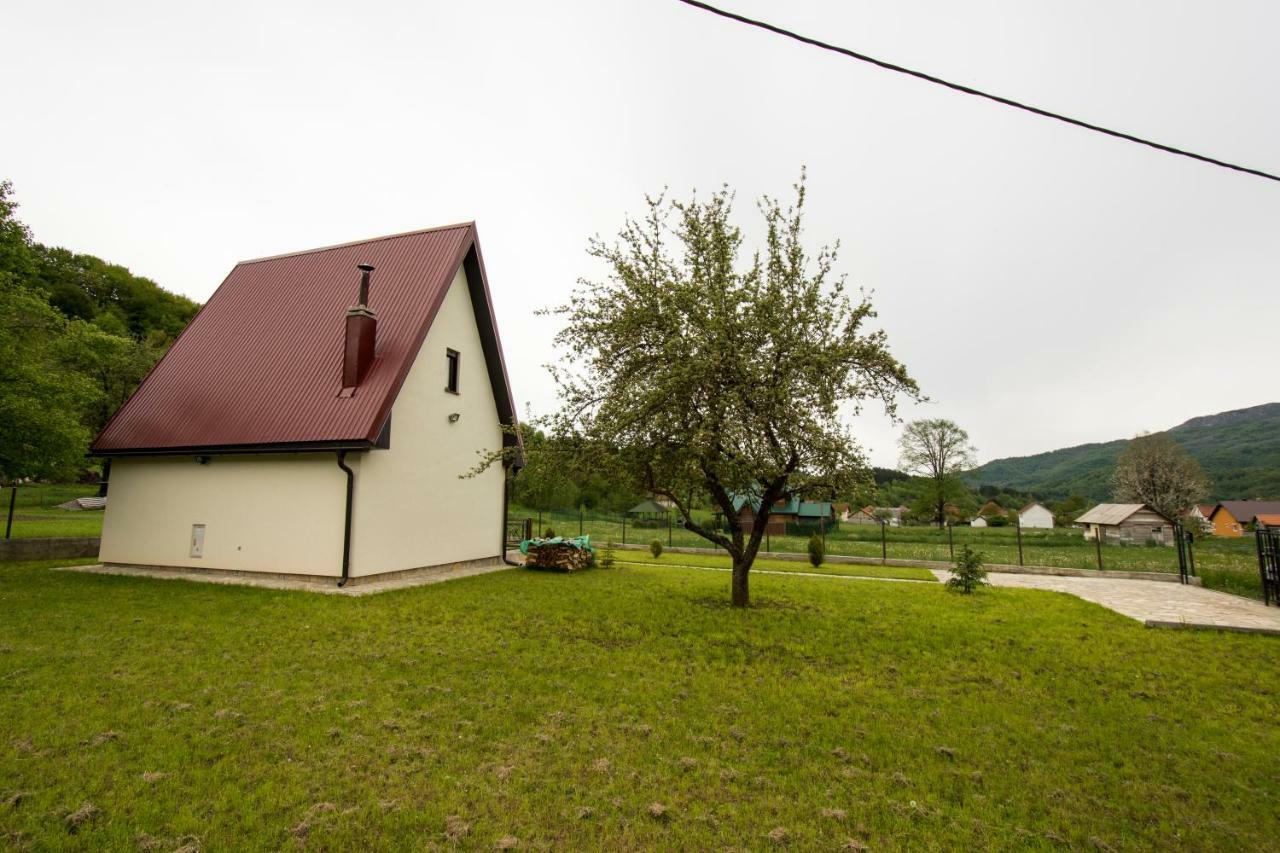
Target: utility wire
{"type": "Point", "coordinates": [1008, 102]}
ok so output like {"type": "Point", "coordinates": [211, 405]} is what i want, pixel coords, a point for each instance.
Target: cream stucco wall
{"type": "Point", "coordinates": [277, 513]}
{"type": "Point", "coordinates": [284, 513]}
{"type": "Point", "coordinates": [411, 508]}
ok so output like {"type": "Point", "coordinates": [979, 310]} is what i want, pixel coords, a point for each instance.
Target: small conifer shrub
{"type": "Point", "coordinates": [968, 574]}
{"type": "Point", "coordinates": [817, 550]}
{"type": "Point", "coordinates": [606, 557]}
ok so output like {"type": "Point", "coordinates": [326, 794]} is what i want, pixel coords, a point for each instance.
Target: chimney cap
{"type": "Point", "coordinates": [365, 267]}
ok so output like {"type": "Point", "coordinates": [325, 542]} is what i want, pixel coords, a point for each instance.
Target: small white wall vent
{"type": "Point", "coordinates": [197, 540]}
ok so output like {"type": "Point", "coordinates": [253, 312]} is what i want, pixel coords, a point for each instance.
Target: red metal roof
{"type": "Point", "coordinates": [260, 366]}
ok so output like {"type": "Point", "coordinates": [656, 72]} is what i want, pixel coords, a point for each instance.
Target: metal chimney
{"type": "Point", "coordinates": [365, 269]}
{"type": "Point", "coordinates": [361, 337]}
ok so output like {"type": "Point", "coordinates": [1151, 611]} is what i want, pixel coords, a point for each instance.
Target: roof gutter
{"type": "Point", "coordinates": [239, 449]}
{"type": "Point", "coordinates": [346, 523]}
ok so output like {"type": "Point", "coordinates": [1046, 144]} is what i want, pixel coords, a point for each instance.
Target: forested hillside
{"type": "Point", "coordinates": [78, 334]}
{"type": "Point", "coordinates": [1240, 450]}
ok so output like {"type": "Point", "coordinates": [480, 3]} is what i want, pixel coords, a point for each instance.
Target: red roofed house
{"type": "Point", "coordinates": [314, 417]}
{"type": "Point", "coordinates": [1229, 518]}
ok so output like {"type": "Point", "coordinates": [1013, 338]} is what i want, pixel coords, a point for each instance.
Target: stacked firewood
{"type": "Point", "coordinates": [566, 556]}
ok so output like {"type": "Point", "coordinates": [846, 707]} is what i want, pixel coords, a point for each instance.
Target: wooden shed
{"type": "Point", "coordinates": [1134, 524]}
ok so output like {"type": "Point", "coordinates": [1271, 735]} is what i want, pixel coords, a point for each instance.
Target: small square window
{"type": "Point", "coordinates": [452, 382]}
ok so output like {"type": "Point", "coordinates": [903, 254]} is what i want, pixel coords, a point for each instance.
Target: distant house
{"type": "Point", "coordinates": [784, 512]}
{"type": "Point", "coordinates": [1267, 521]}
{"type": "Point", "coordinates": [1199, 515]}
{"type": "Point", "coordinates": [315, 418]}
{"type": "Point", "coordinates": [894, 516]}
{"type": "Point", "coordinates": [863, 515]}
{"type": "Point", "coordinates": [990, 509]}
{"type": "Point", "coordinates": [1135, 524]}
{"type": "Point", "coordinates": [1230, 517]}
{"type": "Point", "coordinates": [1035, 515]}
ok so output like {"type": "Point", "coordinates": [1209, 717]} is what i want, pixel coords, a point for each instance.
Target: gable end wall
{"type": "Point", "coordinates": [412, 509]}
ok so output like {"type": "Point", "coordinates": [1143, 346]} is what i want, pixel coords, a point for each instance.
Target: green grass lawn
{"type": "Point", "coordinates": [716, 561]}
{"type": "Point", "coordinates": [35, 513]}
{"type": "Point", "coordinates": [1226, 564]}
{"type": "Point", "coordinates": [624, 709]}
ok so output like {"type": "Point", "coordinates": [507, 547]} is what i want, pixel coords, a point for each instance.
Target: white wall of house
{"type": "Point", "coordinates": [979, 521]}
{"type": "Point", "coordinates": [1037, 516]}
{"type": "Point", "coordinates": [277, 513]}
{"type": "Point", "coordinates": [411, 508]}
{"type": "Point", "coordinates": [284, 513]}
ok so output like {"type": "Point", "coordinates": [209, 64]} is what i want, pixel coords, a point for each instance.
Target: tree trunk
{"type": "Point", "coordinates": [741, 592]}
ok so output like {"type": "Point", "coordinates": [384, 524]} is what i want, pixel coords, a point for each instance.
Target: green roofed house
{"type": "Point", "coordinates": [784, 512]}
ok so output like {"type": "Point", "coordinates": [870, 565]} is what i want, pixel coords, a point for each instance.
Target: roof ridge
{"type": "Point", "coordinates": [349, 243]}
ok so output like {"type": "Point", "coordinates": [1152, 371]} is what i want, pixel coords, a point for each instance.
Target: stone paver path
{"type": "Point", "coordinates": [1163, 605]}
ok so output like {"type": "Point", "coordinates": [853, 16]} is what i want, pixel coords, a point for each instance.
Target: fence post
{"type": "Point", "coordinates": [528, 528]}
{"type": "Point", "coordinates": [540, 527]}
{"type": "Point", "coordinates": [884, 543]}
{"type": "Point", "coordinates": [822, 528]}
{"type": "Point", "coordinates": [1019, 525]}
{"type": "Point", "coordinates": [951, 543]}
{"type": "Point", "coordinates": [579, 521]}
{"type": "Point", "coordinates": [624, 530]}
{"type": "Point", "coordinates": [1097, 545]}
{"type": "Point", "coordinates": [1191, 552]}
{"type": "Point", "coordinates": [668, 528]}
{"type": "Point", "coordinates": [13, 496]}
{"type": "Point", "coordinates": [768, 546]}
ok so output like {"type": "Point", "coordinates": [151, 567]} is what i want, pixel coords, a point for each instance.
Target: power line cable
{"type": "Point", "coordinates": [968, 90]}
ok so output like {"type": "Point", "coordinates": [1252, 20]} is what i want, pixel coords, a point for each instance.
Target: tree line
{"type": "Point", "coordinates": [77, 335]}
{"type": "Point", "coordinates": [936, 456]}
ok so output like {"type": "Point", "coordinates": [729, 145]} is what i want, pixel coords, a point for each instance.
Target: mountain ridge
{"type": "Point", "coordinates": [1239, 450]}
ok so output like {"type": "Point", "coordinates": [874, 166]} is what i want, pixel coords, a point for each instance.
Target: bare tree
{"type": "Point", "coordinates": [938, 450]}
{"type": "Point", "coordinates": [1157, 471]}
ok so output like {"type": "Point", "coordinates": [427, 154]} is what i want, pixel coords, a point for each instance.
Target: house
{"type": "Point", "coordinates": [1199, 516]}
{"type": "Point", "coordinates": [316, 417]}
{"type": "Point", "coordinates": [1130, 523]}
{"type": "Point", "coordinates": [1035, 515]}
{"type": "Point", "coordinates": [819, 514]}
{"type": "Point", "coordinates": [990, 509]}
{"type": "Point", "coordinates": [1230, 517]}
{"type": "Point", "coordinates": [894, 516]}
{"type": "Point", "coordinates": [864, 515]}
{"type": "Point", "coordinates": [1267, 521]}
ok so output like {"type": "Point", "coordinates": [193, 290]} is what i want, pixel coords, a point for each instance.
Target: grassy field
{"type": "Point", "coordinates": [625, 709]}
{"type": "Point", "coordinates": [1227, 564]}
{"type": "Point", "coordinates": [35, 514]}
{"type": "Point", "coordinates": [715, 561]}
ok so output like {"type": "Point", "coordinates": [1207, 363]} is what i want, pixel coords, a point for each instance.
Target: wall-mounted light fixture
{"type": "Point", "coordinates": [203, 460]}
{"type": "Point", "coordinates": [453, 418]}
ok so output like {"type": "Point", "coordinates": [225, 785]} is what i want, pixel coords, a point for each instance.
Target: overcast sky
{"type": "Point", "coordinates": [1047, 286]}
